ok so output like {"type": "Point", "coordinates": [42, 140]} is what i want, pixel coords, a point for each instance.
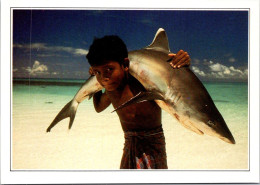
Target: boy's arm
{"type": "Point", "coordinates": [101, 101]}
{"type": "Point", "coordinates": [180, 59]}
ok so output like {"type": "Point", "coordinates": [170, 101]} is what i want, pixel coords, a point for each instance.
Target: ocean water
{"type": "Point", "coordinates": [36, 103]}
{"type": "Point", "coordinates": [230, 98]}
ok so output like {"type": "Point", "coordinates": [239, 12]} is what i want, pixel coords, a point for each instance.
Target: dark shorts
{"type": "Point", "coordinates": [144, 150]}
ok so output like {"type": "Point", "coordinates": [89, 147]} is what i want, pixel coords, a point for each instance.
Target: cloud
{"type": "Point", "coordinates": [49, 55]}
{"type": "Point", "coordinates": [81, 52]}
{"type": "Point", "coordinates": [213, 71]}
{"type": "Point", "coordinates": [43, 47]}
{"type": "Point", "coordinates": [221, 71]}
{"type": "Point", "coordinates": [37, 69]}
{"type": "Point", "coordinates": [30, 46]}
{"type": "Point", "coordinates": [55, 73]}
{"type": "Point", "coordinates": [195, 61]}
{"type": "Point", "coordinates": [198, 71]}
{"type": "Point", "coordinates": [232, 59]}
{"type": "Point", "coordinates": [216, 67]}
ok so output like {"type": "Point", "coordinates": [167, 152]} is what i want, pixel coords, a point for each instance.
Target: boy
{"type": "Point", "coordinates": [144, 146]}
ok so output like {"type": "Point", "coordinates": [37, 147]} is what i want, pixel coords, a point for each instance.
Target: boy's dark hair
{"type": "Point", "coordinates": [107, 48]}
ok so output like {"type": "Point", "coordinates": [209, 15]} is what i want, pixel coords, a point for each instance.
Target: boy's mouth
{"type": "Point", "coordinates": [109, 85]}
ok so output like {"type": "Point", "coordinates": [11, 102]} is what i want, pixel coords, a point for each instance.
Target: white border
{"type": "Point", "coordinates": [22, 177]}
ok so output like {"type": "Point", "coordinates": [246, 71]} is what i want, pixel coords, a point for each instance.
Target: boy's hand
{"type": "Point", "coordinates": [180, 59]}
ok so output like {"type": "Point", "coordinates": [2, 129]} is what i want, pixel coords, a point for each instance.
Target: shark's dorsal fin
{"type": "Point", "coordinates": [160, 41]}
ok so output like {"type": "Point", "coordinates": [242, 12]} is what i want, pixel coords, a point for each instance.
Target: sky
{"type": "Point", "coordinates": [50, 43]}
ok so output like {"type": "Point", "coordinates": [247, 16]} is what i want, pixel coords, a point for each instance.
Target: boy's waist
{"type": "Point", "coordinates": [148, 133]}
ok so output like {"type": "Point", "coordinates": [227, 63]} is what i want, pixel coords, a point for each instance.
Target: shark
{"type": "Point", "coordinates": [177, 91]}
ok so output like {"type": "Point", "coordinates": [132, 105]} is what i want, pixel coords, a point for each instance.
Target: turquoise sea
{"type": "Point", "coordinates": [230, 98]}
{"type": "Point", "coordinates": [36, 102]}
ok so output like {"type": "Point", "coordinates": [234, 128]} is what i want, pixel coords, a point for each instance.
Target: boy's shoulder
{"type": "Point", "coordinates": [134, 84]}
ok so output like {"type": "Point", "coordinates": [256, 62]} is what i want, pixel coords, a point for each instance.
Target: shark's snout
{"type": "Point", "coordinates": [226, 135]}
{"type": "Point", "coordinates": [220, 129]}
{"type": "Point", "coordinates": [228, 140]}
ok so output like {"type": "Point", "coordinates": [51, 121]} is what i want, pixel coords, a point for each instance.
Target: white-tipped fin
{"type": "Point", "coordinates": [160, 41]}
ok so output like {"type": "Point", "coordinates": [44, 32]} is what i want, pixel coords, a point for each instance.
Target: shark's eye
{"type": "Point", "coordinates": [210, 123]}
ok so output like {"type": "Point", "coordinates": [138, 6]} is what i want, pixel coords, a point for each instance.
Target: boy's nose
{"type": "Point", "coordinates": [105, 77]}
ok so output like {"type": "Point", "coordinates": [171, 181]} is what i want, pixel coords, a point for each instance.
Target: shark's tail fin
{"type": "Point", "coordinates": [69, 110]}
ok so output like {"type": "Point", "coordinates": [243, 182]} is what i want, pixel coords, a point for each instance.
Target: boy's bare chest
{"type": "Point", "coordinates": [136, 113]}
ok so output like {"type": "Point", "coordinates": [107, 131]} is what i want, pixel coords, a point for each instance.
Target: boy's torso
{"type": "Point", "coordinates": [142, 116]}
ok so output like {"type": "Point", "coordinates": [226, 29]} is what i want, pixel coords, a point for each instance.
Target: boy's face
{"type": "Point", "coordinates": [110, 74]}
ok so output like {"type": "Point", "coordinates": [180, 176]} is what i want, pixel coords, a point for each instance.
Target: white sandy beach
{"type": "Point", "coordinates": [96, 142]}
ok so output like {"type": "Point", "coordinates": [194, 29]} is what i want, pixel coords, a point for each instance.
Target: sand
{"type": "Point", "coordinates": [95, 142]}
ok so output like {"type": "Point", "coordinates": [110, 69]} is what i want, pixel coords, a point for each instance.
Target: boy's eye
{"type": "Point", "coordinates": [109, 69]}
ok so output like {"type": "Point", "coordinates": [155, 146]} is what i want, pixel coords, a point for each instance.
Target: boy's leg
{"type": "Point", "coordinates": [127, 161]}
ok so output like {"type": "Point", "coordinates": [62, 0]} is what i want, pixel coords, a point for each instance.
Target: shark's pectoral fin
{"type": "Point", "coordinates": [69, 110]}
{"type": "Point", "coordinates": [189, 125]}
{"type": "Point", "coordinates": [193, 128]}
{"type": "Point", "coordinates": [141, 97]}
